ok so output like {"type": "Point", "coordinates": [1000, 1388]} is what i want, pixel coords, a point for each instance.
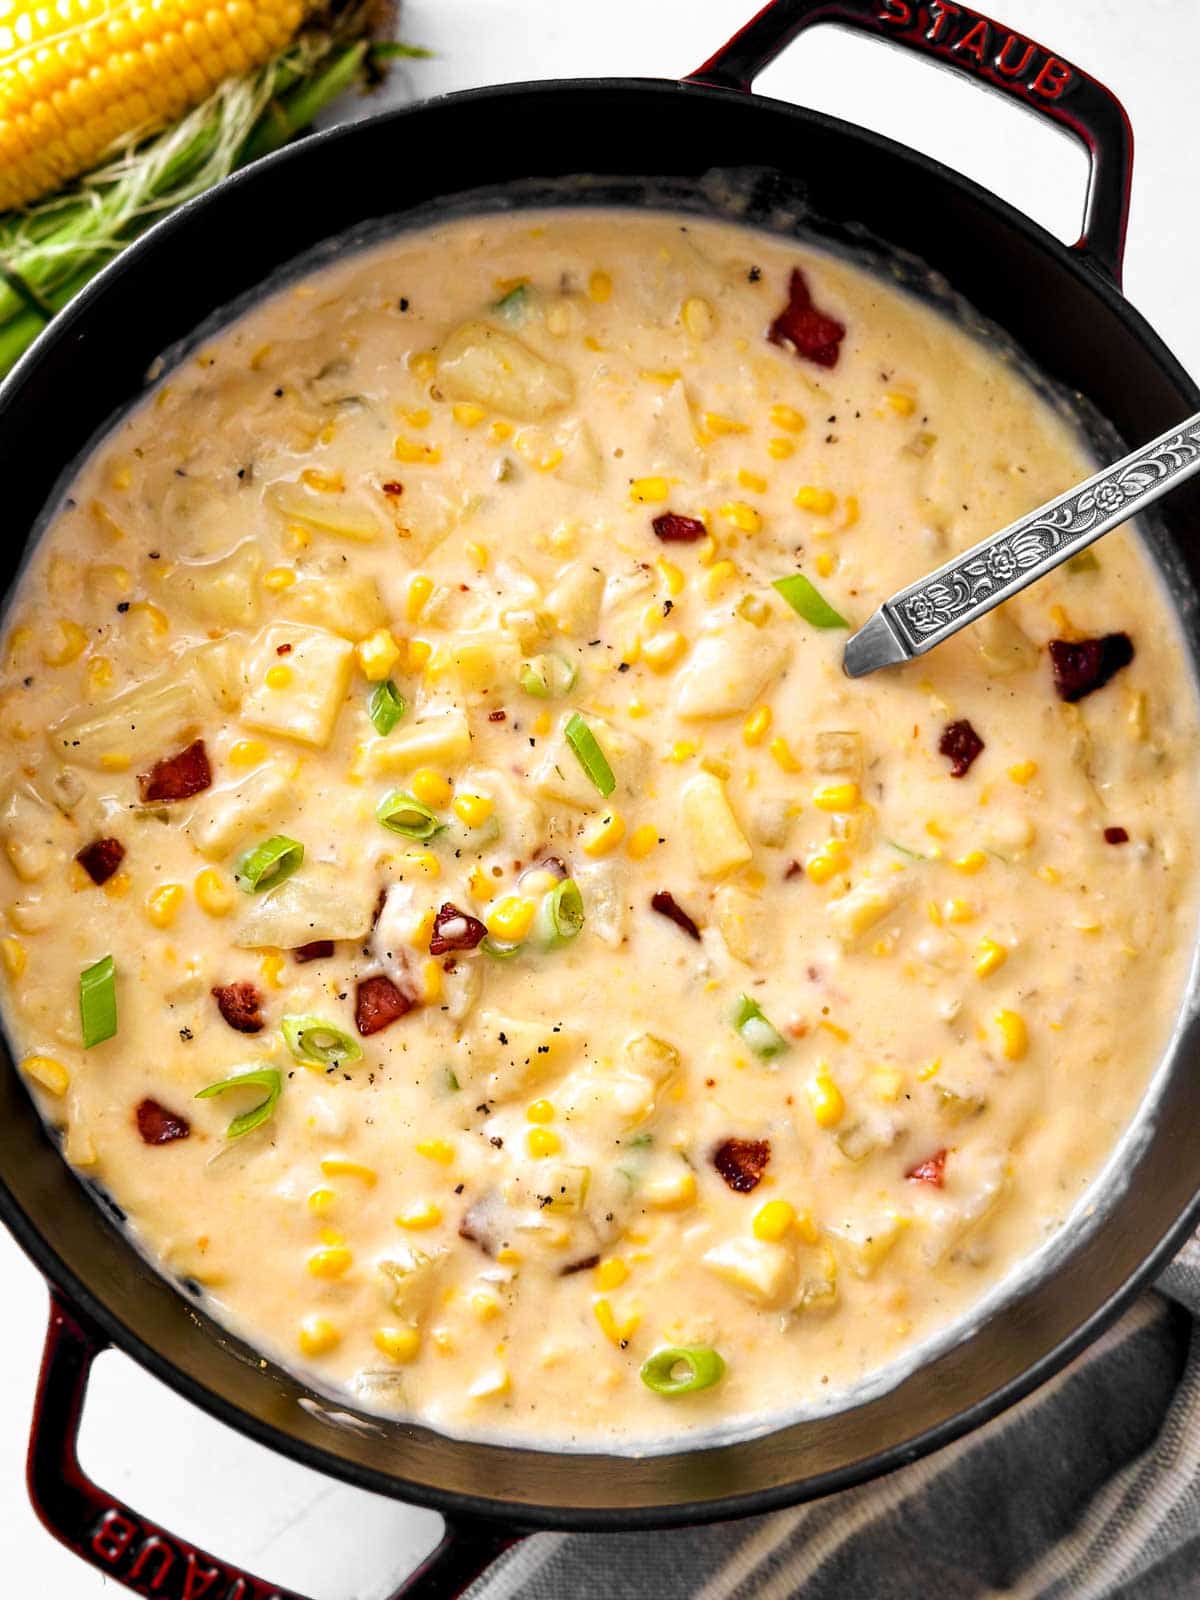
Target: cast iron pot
{"type": "Point", "coordinates": [1062, 305]}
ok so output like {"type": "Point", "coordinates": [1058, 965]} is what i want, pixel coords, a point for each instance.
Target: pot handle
{"type": "Point", "coordinates": [973, 44]}
{"type": "Point", "coordinates": [136, 1552]}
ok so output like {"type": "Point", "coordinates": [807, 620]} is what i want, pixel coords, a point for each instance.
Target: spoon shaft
{"type": "Point", "coordinates": [939, 604]}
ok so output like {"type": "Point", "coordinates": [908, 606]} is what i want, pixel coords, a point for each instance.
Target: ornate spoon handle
{"type": "Point", "coordinates": [930, 610]}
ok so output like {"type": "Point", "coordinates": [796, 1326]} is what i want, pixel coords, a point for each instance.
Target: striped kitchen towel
{"type": "Point", "coordinates": [1087, 1490]}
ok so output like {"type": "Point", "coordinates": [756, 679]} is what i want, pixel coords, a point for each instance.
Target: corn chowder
{"type": "Point", "coordinates": [455, 903]}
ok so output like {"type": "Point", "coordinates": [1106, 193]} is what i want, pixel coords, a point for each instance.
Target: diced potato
{"type": "Point", "coordinates": [609, 1103]}
{"type": "Point", "coordinates": [512, 1054]}
{"type": "Point", "coordinates": [718, 843]}
{"type": "Point", "coordinates": [305, 708]}
{"type": "Point", "coordinates": [744, 928]}
{"type": "Point", "coordinates": [346, 604]}
{"type": "Point", "coordinates": [866, 904]}
{"type": "Point", "coordinates": [674, 442]}
{"type": "Point", "coordinates": [602, 885]}
{"type": "Point", "coordinates": [1003, 644]}
{"type": "Point", "coordinates": [34, 836]}
{"type": "Point", "coordinates": [410, 1277]}
{"type": "Point", "coordinates": [653, 1057]}
{"type": "Point", "coordinates": [582, 464]}
{"type": "Point", "coordinates": [341, 515]}
{"type": "Point", "coordinates": [218, 666]}
{"type": "Point", "coordinates": [560, 776]}
{"type": "Point", "coordinates": [474, 662]}
{"type": "Point", "coordinates": [818, 1286]}
{"type": "Point", "coordinates": [324, 900]}
{"type": "Point", "coordinates": [729, 671]}
{"type": "Point", "coordinates": [478, 362]}
{"type": "Point", "coordinates": [839, 751]}
{"type": "Point", "coordinates": [865, 1241]}
{"type": "Point", "coordinates": [441, 739]}
{"type": "Point", "coordinates": [144, 723]}
{"type": "Point", "coordinates": [225, 817]}
{"type": "Point", "coordinates": [762, 1271]}
{"type": "Point", "coordinates": [573, 604]}
{"type": "Point", "coordinates": [220, 594]}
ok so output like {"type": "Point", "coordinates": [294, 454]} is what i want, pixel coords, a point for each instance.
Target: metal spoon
{"type": "Point", "coordinates": [916, 619]}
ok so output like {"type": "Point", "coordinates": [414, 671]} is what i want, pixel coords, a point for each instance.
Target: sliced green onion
{"type": "Point", "coordinates": [499, 951]}
{"type": "Point", "coordinates": [913, 855]}
{"type": "Point", "coordinates": [808, 602]}
{"type": "Point", "coordinates": [560, 915]}
{"type": "Point", "coordinates": [591, 758]}
{"type": "Point", "coordinates": [98, 1002]}
{"type": "Point", "coordinates": [317, 1042]}
{"type": "Point", "coordinates": [513, 305]}
{"type": "Point", "coordinates": [757, 1033]}
{"type": "Point", "coordinates": [268, 1078]}
{"type": "Point", "coordinates": [268, 864]}
{"type": "Point", "coordinates": [704, 1368]}
{"type": "Point", "coordinates": [386, 706]}
{"type": "Point", "coordinates": [547, 677]}
{"type": "Point", "coordinates": [404, 814]}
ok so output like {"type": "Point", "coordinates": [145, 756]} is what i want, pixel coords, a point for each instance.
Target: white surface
{"type": "Point", "coordinates": [171, 1461]}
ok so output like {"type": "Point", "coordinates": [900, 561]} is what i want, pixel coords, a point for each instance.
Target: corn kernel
{"type": "Point", "coordinates": [540, 1111]}
{"type": "Point", "coordinates": [618, 1333]}
{"type": "Point", "coordinates": [321, 1200]}
{"type": "Point", "coordinates": [837, 797]}
{"type": "Point", "coordinates": [99, 674]}
{"type": "Point", "coordinates": [422, 861]}
{"type": "Point", "coordinates": [400, 1345]}
{"type": "Point", "coordinates": [779, 448]}
{"type": "Point", "coordinates": [752, 481]}
{"type": "Point", "coordinates": [485, 1304]}
{"type": "Point", "coordinates": [415, 452]}
{"type": "Point", "coordinates": [825, 563]}
{"type": "Point", "coordinates": [279, 676]}
{"type": "Point", "coordinates": [51, 1074]}
{"type": "Point", "coordinates": [323, 482]}
{"type": "Point", "coordinates": [317, 1336]}
{"type": "Point", "coordinates": [649, 491]}
{"type": "Point", "coordinates": [682, 750]}
{"type": "Point", "coordinates": [214, 895]}
{"type": "Point", "coordinates": [600, 287]}
{"type": "Point", "coordinates": [63, 644]}
{"type": "Point", "coordinates": [718, 577]}
{"type": "Point", "coordinates": [642, 841]}
{"type": "Point", "coordinates": [418, 654]}
{"type": "Point", "coordinates": [296, 536]}
{"type": "Point", "coordinates": [674, 1192]}
{"type": "Point", "coordinates": [500, 431]}
{"type": "Point", "coordinates": [423, 1214]}
{"type": "Point", "coordinates": [989, 957]}
{"type": "Point", "coordinates": [781, 754]}
{"type": "Point", "coordinates": [604, 834]}
{"type": "Point", "coordinates": [902, 404]}
{"type": "Point", "coordinates": [467, 414]}
{"type": "Point", "coordinates": [279, 578]}
{"type": "Point", "coordinates": [1049, 874]}
{"type": "Point", "coordinates": [671, 576]}
{"type": "Point", "coordinates": [247, 753]}
{"type": "Point", "coordinates": [473, 810]}
{"type": "Point", "coordinates": [542, 724]}
{"type": "Point", "coordinates": [343, 1167]}
{"type": "Point", "coordinates": [706, 550]}
{"type": "Point", "coordinates": [611, 1274]}
{"type": "Point", "coordinates": [820, 501]}
{"type": "Point", "coordinates": [118, 886]}
{"type": "Point", "coordinates": [14, 956]}
{"type": "Point", "coordinates": [480, 554]}
{"type": "Point", "coordinates": [542, 1142]}
{"type": "Point", "coordinates": [825, 1100]}
{"type": "Point", "coordinates": [332, 1261]}
{"type": "Point", "coordinates": [1014, 1035]}
{"type": "Point", "coordinates": [958, 911]}
{"type": "Point", "coordinates": [419, 589]}
{"type": "Point", "coordinates": [827, 862]}
{"type": "Point", "coordinates": [439, 1150]}
{"type": "Point", "coordinates": [663, 650]}
{"type": "Point", "coordinates": [697, 317]}
{"type": "Point", "coordinates": [773, 1221]}
{"type": "Point", "coordinates": [743, 517]}
{"type": "Point", "coordinates": [508, 1257]}
{"type": "Point", "coordinates": [431, 982]}
{"type": "Point", "coordinates": [1022, 771]}
{"type": "Point", "coordinates": [511, 918]}
{"type": "Point", "coordinates": [377, 655]}
{"type": "Point", "coordinates": [430, 788]}
{"type": "Point", "coordinates": [787, 418]}
{"type": "Point", "coordinates": [757, 725]}
{"type": "Point", "coordinates": [718, 425]}
{"type": "Point", "coordinates": [972, 862]}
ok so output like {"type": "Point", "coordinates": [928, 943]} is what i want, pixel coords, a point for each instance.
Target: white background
{"type": "Point", "coordinates": [171, 1461]}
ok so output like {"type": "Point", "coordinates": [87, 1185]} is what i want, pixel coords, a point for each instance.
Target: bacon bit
{"type": "Point", "coordinates": [1081, 666]}
{"type": "Point", "coordinates": [497, 716]}
{"type": "Point", "coordinates": [318, 950]}
{"type": "Point", "coordinates": [742, 1162]}
{"type": "Point", "coordinates": [177, 777]}
{"type": "Point", "coordinates": [455, 930]}
{"type": "Point", "coordinates": [283, 649]}
{"type": "Point", "coordinates": [931, 1170]}
{"type": "Point", "coordinates": [674, 529]}
{"type": "Point", "coordinates": [793, 871]}
{"type": "Point", "coordinates": [961, 744]}
{"type": "Point", "coordinates": [393, 487]}
{"type": "Point", "coordinates": [1116, 836]}
{"type": "Point", "coordinates": [579, 1266]}
{"type": "Point", "coordinates": [815, 336]}
{"type": "Point", "coordinates": [664, 902]}
{"type": "Point", "coordinates": [157, 1125]}
{"type": "Point", "coordinates": [101, 858]}
{"type": "Point", "coordinates": [378, 1003]}
{"type": "Point", "coordinates": [240, 1004]}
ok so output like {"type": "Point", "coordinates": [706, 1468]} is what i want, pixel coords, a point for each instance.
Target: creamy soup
{"type": "Point", "coordinates": [455, 903]}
